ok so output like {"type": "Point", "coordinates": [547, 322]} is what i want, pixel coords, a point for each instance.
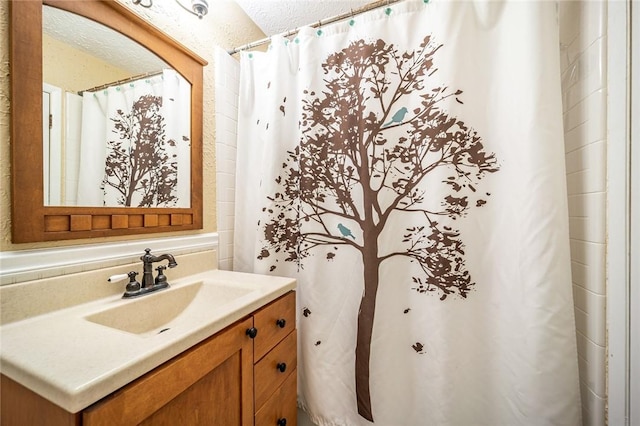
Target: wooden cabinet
{"type": "Point", "coordinates": [229, 379]}
{"type": "Point", "coordinates": [275, 370]}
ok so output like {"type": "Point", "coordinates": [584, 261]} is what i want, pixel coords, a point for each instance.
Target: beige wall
{"type": "Point", "coordinates": [89, 70]}
{"type": "Point", "coordinates": [226, 26]}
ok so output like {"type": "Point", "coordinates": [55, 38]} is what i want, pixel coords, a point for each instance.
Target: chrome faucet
{"type": "Point", "coordinates": [147, 270]}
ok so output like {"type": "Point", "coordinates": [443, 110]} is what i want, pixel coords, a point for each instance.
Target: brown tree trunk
{"type": "Point", "coordinates": [365, 326]}
{"type": "Point", "coordinates": [131, 188]}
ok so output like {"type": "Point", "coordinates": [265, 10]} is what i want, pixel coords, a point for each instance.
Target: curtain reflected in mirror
{"type": "Point", "coordinates": [116, 119]}
{"type": "Point", "coordinates": [146, 156]}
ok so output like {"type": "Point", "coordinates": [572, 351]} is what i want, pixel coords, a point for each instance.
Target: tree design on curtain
{"type": "Point", "coordinates": [137, 162]}
{"type": "Point", "coordinates": [370, 142]}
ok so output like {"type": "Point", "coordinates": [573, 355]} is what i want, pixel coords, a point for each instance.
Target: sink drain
{"type": "Point", "coordinates": [163, 330]}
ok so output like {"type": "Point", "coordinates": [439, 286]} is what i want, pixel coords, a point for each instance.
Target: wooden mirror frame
{"type": "Point", "coordinates": [31, 219]}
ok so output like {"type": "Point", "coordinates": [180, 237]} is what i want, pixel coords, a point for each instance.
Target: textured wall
{"type": "Point", "coordinates": [583, 55]}
{"type": "Point", "coordinates": [226, 25]}
{"type": "Point", "coordinates": [94, 71]}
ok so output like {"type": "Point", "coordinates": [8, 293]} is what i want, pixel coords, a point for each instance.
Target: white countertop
{"type": "Point", "coordinates": [73, 362]}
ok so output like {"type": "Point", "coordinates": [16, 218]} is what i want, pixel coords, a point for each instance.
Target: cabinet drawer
{"type": "Point", "coordinates": [281, 405]}
{"type": "Point", "coordinates": [274, 323]}
{"type": "Point", "coordinates": [274, 368]}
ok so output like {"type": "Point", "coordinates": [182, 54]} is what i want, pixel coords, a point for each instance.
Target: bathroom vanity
{"type": "Point", "coordinates": [214, 348]}
{"type": "Point", "coordinates": [231, 362]}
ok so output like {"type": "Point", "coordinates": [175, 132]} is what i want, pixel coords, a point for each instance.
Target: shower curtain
{"type": "Point", "coordinates": [135, 144]}
{"type": "Point", "coordinates": [407, 167]}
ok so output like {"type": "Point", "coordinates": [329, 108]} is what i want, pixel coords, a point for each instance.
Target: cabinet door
{"type": "Point", "coordinates": [21, 407]}
{"type": "Point", "coordinates": [210, 384]}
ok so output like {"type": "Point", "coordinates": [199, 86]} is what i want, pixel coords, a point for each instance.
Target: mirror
{"type": "Point", "coordinates": [169, 196]}
{"type": "Point", "coordinates": [115, 119]}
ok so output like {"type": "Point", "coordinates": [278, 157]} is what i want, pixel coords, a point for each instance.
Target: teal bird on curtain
{"type": "Point", "coordinates": [397, 117]}
{"type": "Point", "coordinates": [346, 232]}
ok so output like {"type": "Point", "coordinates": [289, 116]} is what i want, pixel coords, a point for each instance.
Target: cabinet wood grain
{"type": "Point", "coordinates": [22, 407]}
{"type": "Point", "coordinates": [268, 321]}
{"type": "Point", "coordinates": [216, 399]}
{"type": "Point", "coordinates": [281, 405]}
{"type": "Point", "coordinates": [272, 370]}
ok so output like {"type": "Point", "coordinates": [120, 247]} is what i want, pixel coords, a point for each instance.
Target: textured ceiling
{"type": "Point", "coordinates": [279, 16]}
{"type": "Point", "coordinates": [271, 16]}
{"type": "Point", "coordinates": [99, 41]}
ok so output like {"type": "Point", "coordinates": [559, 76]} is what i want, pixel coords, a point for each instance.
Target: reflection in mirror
{"type": "Point", "coordinates": [116, 119]}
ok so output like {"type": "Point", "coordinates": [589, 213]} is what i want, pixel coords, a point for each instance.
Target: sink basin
{"type": "Point", "coordinates": [153, 313]}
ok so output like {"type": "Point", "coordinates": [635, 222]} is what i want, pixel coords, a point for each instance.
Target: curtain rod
{"type": "Point", "coordinates": [125, 80]}
{"type": "Point", "coordinates": [320, 23]}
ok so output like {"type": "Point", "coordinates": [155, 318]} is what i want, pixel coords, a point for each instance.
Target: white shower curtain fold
{"type": "Point", "coordinates": [407, 168]}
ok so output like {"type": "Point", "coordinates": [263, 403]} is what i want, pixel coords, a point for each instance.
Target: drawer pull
{"type": "Point", "coordinates": [252, 332]}
{"type": "Point", "coordinates": [282, 367]}
{"type": "Point", "coordinates": [282, 422]}
{"type": "Point", "coordinates": [281, 322]}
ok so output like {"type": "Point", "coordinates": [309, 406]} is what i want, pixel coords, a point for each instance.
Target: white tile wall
{"type": "Point", "coordinates": [227, 71]}
{"type": "Point", "coordinates": [583, 59]}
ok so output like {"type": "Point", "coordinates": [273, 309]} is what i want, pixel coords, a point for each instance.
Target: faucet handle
{"type": "Point", "coordinates": [117, 277]}
{"type": "Point", "coordinates": [133, 286]}
{"type": "Point", "coordinates": [161, 278]}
